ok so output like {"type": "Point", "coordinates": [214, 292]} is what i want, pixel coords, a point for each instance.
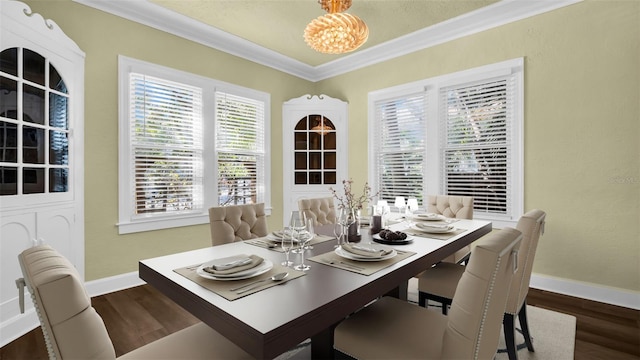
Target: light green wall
{"type": "Point", "coordinates": [582, 127]}
{"type": "Point", "coordinates": [582, 124]}
{"type": "Point", "coordinates": [103, 37]}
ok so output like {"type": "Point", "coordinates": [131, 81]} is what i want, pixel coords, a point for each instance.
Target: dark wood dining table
{"type": "Point", "coordinates": [268, 323]}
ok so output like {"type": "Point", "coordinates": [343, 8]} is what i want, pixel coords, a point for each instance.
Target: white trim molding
{"type": "Point", "coordinates": [594, 292]}
{"type": "Point", "coordinates": [492, 16]}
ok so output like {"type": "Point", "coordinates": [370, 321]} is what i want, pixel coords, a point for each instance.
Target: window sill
{"type": "Point", "coordinates": [161, 223]}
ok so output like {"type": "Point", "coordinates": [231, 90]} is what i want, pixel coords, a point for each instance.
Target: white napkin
{"type": "Point", "coordinates": [367, 251]}
{"type": "Point", "coordinates": [432, 226]}
{"type": "Point", "coordinates": [233, 264]}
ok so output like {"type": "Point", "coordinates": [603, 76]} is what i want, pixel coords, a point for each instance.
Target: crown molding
{"type": "Point", "coordinates": [155, 16]}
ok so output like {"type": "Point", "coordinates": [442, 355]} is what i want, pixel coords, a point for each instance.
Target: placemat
{"type": "Point", "coordinates": [223, 288]}
{"type": "Point", "coordinates": [445, 236]}
{"type": "Point", "coordinates": [264, 242]}
{"type": "Point", "coordinates": [361, 267]}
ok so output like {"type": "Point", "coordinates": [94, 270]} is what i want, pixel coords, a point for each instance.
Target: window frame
{"type": "Point", "coordinates": [128, 221]}
{"type": "Point", "coordinates": [433, 168]}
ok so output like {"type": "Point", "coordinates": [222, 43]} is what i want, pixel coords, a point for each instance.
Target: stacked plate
{"type": "Point", "coordinates": [229, 263]}
{"type": "Point", "coordinates": [366, 252]}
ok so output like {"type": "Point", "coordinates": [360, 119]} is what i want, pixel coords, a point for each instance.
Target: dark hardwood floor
{"type": "Point", "coordinates": [141, 314]}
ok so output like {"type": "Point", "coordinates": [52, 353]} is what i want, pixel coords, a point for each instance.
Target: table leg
{"type": "Point", "coordinates": [400, 292]}
{"type": "Point", "coordinates": [322, 344]}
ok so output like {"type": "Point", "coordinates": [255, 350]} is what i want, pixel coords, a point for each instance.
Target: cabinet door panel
{"type": "Point", "coordinates": [17, 232]}
{"type": "Point", "coordinates": [55, 228]}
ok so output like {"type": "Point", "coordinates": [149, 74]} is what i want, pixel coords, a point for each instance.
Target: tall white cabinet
{"type": "Point", "coordinates": [41, 151]}
{"type": "Point", "coordinates": [315, 151]}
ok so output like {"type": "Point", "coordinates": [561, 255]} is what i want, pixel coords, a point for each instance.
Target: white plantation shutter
{"type": "Point", "coordinates": [240, 148]}
{"type": "Point", "coordinates": [166, 145]}
{"type": "Point", "coordinates": [476, 143]}
{"type": "Point", "coordinates": [399, 146]}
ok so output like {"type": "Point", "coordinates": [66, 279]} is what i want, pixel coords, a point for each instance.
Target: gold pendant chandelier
{"type": "Point", "coordinates": [336, 32]}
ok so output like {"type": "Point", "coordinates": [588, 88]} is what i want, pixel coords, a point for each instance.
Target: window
{"type": "Point", "coordinates": [170, 173]}
{"type": "Point", "coordinates": [240, 150]}
{"type": "Point", "coordinates": [457, 134]}
{"type": "Point", "coordinates": [399, 136]}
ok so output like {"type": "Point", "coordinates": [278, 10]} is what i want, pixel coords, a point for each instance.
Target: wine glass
{"type": "Point", "coordinates": [297, 224]}
{"type": "Point", "coordinates": [310, 233]}
{"type": "Point", "coordinates": [337, 231]}
{"type": "Point", "coordinates": [346, 218]}
{"type": "Point", "coordinates": [287, 245]}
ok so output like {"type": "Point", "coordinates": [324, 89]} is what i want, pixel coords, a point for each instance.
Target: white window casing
{"type": "Point", "coordinates": [170, 149]}
{"type": "Point", "coordinates": [473, 142]}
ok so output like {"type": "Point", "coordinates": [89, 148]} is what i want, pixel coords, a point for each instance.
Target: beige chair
{"type": "Point", "coordinates": [321, 210]}
{"type": "Point", "coordinates": [438, 283]}
{"type": "Point", "coordinates": [395, 329]}
{"type": "Point", "coordinates": [74, 330]}
{"type": "Point", "coordinates": [456, 207]}
{"type": "Point", "coordinates": [237, 222]}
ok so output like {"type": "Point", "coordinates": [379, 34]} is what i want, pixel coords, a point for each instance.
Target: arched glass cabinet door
{"type": "Point", "coordinates": [315, 151]}
{"type": "Point", "coordinates": [34, 125]}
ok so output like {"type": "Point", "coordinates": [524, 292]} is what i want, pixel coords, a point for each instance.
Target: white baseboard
{"type": "Point", "coordinates": [113, 284]}
{"type": "Point", "coordinates": [599, 293]}
{"type": "Point", "coordinates": [20, 325]}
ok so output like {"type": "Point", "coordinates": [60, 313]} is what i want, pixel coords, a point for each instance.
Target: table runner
{"type": "Point", "coordinates": [266, 243]}
{"type": "Point", "coordinates": [360, 267]}
{"type": "Point", "coordinates": [222, 288]}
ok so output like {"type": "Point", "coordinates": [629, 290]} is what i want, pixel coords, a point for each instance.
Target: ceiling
{"type": "Point", "coordinates": [269, 32]}
{"type": "Point", "coordinates": [279, 24]}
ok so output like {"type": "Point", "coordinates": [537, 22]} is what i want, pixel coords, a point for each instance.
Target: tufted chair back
{"type": "Point", "coordinates": [458, 207]}
{"type": "Point", "coordinates": [321, 210]}
{"type": "Point", "coordinates": [72, 328]}
{"type": "Point", "coordinates": [237, 222]}
{"type": "Point", "coordinates": [475, 318]}
{"type": "Point", "coordinates": [531, 225]}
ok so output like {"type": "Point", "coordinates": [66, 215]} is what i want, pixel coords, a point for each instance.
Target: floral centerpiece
{"type": "Point", "coordinates": [353, 203]}
{"type": "Point", "coordinates": [349, 200]}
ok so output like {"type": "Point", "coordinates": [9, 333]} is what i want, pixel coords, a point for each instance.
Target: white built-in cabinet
{"type": "Point", "coordinates": [314, 150]}
{"type": "Point", "coordinates": [41, 151]}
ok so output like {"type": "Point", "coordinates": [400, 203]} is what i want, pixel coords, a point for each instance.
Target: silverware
{"type": "Point", "coordinates": [252, 285]}
{"type": "Point", "coordinates": [332, 262]}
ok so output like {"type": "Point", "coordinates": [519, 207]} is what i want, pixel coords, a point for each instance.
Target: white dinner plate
{"type": "Point", "coordinates": [428, 217]}
{"type": "Point", "coordinates": [433, 230]}
{"type": "Point", "coordinates": [351, 256]}
{"type": "Point", "coordinates": [246, 274]}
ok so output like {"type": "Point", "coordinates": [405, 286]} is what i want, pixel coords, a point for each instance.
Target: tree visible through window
{"type": "Point", "coordinates": [166, 144]}
{"type": "Point", "coordinates": [239, 148]}
{"type": "Point", "coordinates": [476, 151]}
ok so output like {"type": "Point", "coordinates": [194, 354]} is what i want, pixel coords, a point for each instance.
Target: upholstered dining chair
{"type": "Point", "coordinates": [321, 210]}
{"type": "Point", "coordinates": [395, 329]}
{"type": "Point", "coordinates": [237, 222]}
{"type": "Point", "coordinates": [456, 207]}
{"type": "Point", "coordinates": [74, 330]}
{"type": "Point", "coordinates": [439, 283]}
